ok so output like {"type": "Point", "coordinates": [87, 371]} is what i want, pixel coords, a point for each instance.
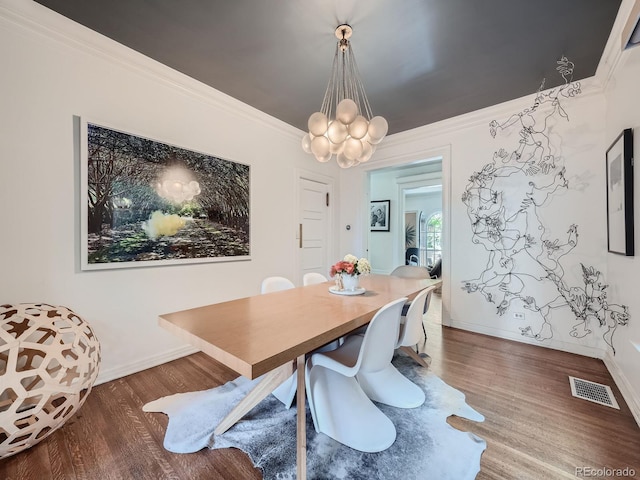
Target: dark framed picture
{"type": "Point", "coordinates": [149, 203]}
{"type": "Point", "coordinates": [620, 195]}
{"type": "Point", "coordinates": [379, 217]}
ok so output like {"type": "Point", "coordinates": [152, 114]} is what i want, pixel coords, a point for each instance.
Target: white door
{"type": "Point", "coordinates": [314, 227]}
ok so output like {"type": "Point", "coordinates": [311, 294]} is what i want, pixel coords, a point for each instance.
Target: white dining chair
{"type": "Point", "coordinates": [312, 278]}
{"type": "Point", "coordinates": [287, 389]}
{"type": "Point", "coordinates": [412, 323]}
{"type": "Point", "coordinates": [388, 385]}
{"type": "Point", "coordinates": [412, 271]}
{"type": "Point", "coordinates": [339, 406]}
{"type": "Point", "coordinates": [276, 284]}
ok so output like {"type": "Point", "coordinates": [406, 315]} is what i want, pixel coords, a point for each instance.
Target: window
{"type": "Point", "coordinates": [431, 235]}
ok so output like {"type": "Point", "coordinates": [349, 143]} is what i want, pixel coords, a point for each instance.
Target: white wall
{"type": "Point", "coordinates": [582, 145]}
{"type": "Point", "coordinates": [583, 141]}
{"type": "Point", "coordinates": [623, 111]}
{"type": "Point", "coordinates": [53, 70]}
{"type": "Point", "coordinates": [428, 203]}
{"type": "Point", "coordinates": [383, 246]}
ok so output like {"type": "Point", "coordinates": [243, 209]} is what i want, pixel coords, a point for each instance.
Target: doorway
{"type": "Point", "coordinates": [413, 192]}
{"type": "Point", "coordinates": [399, 180]}
{"type": "Point", "coordinates": [422, 215]}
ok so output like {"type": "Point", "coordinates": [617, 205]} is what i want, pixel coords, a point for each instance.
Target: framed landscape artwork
{"type": "Point", "coordinates": [620, 236]}
{"type": "Point", "coordinates": [380, 215]}
{"type": "Point", "coordinates": [148, 203]}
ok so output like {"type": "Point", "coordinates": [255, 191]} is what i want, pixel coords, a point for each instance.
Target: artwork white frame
{"type": "Point", "coordinates": [141, 166]}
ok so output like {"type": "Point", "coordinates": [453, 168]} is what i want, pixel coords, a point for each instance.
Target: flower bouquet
{"type": "Point", "coordinates": [347, 271]}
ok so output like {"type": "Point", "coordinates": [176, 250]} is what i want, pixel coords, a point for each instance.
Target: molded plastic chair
{"type": "Point", "coordinates": [313, 278]}
{"type": "Point", "coordinates": [411, 323]}
{"type": "Point", "coordinates": [411, 271]}
{"type": "Point", "coordinates": [287, 389]}
{"type": "Point", "coordinates": [339, 406]}
{"type": "Point", "coordinates": [389, 386]}
{"type": "Point", "coordinates": [286, 392]}
{"type": "Point", "coordinates": [276, 284]}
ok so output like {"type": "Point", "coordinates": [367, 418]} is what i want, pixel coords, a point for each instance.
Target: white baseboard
{"type": "Point", "coordinates": [584, 350]}
{"type": "Point", "coordinates": [618, 377]}
{"type": "Point", "coordinates": [623, 384]}
{"type": "Point", "coordinates": [152, 361]}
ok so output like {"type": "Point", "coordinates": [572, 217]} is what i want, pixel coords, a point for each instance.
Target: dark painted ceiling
{"type": "Point", "coordinates": [421, 60]}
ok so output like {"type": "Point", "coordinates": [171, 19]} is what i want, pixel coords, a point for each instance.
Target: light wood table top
{"type": "Point", "coordinates": [266, 333]}
{"type": "Point", "coordinates": [254, 335]}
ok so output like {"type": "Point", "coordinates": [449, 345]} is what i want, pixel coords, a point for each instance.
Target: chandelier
{"type": "Point", "coordinates": [352, 135]}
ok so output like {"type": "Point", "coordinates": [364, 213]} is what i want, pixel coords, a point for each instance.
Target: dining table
{"type": "Point", "coordinates": [269, 335]}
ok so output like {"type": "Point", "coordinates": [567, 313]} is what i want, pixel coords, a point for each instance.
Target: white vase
{"type": "Point", "coordinates": [351, 282]}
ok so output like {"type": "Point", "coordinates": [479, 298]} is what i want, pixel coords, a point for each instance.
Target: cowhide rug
{"type": "Point", "coordinates": [426, 447]}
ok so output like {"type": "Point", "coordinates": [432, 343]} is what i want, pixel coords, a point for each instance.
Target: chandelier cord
{"type": "Point", "coordinates": [345, 82]}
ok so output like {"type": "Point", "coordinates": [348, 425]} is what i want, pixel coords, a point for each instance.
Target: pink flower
{"type": "Point", "coordinates": [341, 267]}
{"type": "Point", "coordinates": [346, 267]}
{"type": "Point", "coordinates": [350, 265]}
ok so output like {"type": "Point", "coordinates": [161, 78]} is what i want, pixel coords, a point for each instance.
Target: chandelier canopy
{"type": "Point", "coordinates": [353, 133]}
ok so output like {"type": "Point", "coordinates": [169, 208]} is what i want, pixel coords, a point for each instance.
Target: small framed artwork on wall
{"type": "Point", "coordinates": [380, 215]}
{"type": "Point", "coordinates": [620, 236]}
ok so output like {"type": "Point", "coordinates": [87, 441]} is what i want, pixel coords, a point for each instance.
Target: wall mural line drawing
{"type": "Point", "coordinates": [504, 202]}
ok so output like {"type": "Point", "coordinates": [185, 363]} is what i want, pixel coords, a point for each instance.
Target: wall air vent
{"type": "Point", "coordinates": [594, 392]}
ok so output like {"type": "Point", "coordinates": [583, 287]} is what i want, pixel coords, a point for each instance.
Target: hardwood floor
{"type": "Point", "coordinates": [534, 428]}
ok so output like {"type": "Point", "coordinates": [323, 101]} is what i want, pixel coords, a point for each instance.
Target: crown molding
{"type": "Point", "coordinates": [612, 56]}
{"type": "Point", "coordinates": [629, 28]}
{"type": "Point", "coordinates": [39, 20]}
{"type": "Point", "coordinates": [589, 87]}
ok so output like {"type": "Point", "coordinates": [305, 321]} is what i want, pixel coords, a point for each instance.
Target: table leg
{"type": "Point", "coordinates": [267, 385]}
{"type": "Point", "coordinates": [301, 433]}
{"type": "Point", "coordinates": [411, 352]}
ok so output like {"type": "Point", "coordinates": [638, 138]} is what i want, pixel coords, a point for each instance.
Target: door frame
{"type": "Point", "coordinates": [407, 183]}
{"type": "Point", "coordinates": [330, 182]}
{"type": "Point", "coordinates": [416, 157]}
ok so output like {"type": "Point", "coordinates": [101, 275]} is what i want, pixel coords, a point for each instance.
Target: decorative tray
{"type": "Point", "coordinates": [357, 291]}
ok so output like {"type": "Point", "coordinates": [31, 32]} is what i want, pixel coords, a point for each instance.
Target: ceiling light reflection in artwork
{"type": "Point", "coordinates": [177, 185]}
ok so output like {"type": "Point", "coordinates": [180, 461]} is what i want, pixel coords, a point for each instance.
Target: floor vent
{"type": "Point", "coordinates": [594, 392]}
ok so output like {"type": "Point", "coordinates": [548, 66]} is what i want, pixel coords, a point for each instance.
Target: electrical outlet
{"type": "Point", "coordinates": [518, 315]}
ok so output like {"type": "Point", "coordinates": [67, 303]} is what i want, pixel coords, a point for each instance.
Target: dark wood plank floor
{"type": "Point", "coordinates": [534, 428]}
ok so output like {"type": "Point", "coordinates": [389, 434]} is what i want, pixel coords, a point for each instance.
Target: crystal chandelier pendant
{"type": "Point", "coordinates": [344, 126]}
